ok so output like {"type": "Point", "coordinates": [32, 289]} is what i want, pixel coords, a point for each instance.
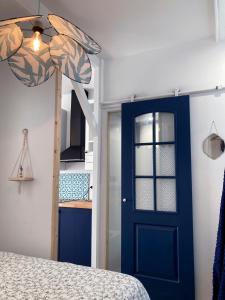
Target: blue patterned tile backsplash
{"type": "Point", "coordinates": [73, 186]}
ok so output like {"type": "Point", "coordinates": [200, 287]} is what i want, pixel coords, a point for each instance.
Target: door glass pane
{"type": "Point", "coordinates": [144, 194]}
{"type": "Point", "coordinates": [144, 160]}
{"type": "Point", "coordinates": [165, 160]}
{"type": "Point", "coordinates": [164, 127]}
{"type": "Point", "coordinates": [166, 195]}
{"type": "Point", "coordinates": [144, 128]}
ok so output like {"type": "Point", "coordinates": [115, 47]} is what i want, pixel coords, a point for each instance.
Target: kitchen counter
{"type": "Point", "coordinates": [76, 204]}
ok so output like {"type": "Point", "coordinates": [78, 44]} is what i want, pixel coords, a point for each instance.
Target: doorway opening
{"type": "Point", "coordinates": [74, 225]}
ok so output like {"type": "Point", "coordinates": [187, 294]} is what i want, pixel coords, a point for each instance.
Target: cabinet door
{"type": "Point", "coordinates": [75, 236]}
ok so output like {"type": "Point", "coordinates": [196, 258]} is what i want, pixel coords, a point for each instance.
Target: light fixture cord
{"type": "Point", "coordinates": [39, 6]}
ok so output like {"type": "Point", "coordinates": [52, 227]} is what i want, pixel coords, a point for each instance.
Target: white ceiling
{"type": "Point", "coordinates": [10, 9]}
{"type": "Point", "coordinates": [126, 27]}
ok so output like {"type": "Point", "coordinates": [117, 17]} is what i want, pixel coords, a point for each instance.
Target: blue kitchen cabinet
{"type": "Point", "coordinates": [75, 236]}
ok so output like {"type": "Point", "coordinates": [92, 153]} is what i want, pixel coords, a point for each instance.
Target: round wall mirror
{"type": "Point", "coordinates": [213, 146]}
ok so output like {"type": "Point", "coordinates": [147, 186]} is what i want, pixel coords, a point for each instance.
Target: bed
{"type": "Point", "coordinates": [29, 278]}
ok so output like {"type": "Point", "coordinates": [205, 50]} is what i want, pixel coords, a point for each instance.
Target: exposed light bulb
{"type": "Point", "coordinates": [36, 41]}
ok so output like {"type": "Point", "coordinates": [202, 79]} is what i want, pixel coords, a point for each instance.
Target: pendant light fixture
{"type": "Point", "coordinates": [35, 46]}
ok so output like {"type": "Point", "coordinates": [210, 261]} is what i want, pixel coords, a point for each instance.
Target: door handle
{"type": "Point", "coordinates": [124, 200]}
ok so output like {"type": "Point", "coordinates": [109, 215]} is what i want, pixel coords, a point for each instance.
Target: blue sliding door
{"type": "Point", "coordinates": [157, 230]}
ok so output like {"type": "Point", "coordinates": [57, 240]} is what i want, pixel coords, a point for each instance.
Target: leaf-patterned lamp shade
{"type": "Point", "coordinates": [70, 58]}
{"type": "Point", "coordinates": [19, 20]}
{"type": "Point", "coordinates": [64, 27]}
{"type": "Point", "coordinates": [11, 38]}
{"type": "Point", "coordinates": [32, 67]}
{"type": "Point", "coordinates": [67, 51]}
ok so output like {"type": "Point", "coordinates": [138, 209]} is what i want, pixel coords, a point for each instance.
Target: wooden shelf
{"type": "Point", "coordinates": [76, 204]}
{"type": "Point", "coordinates": [21, 179]}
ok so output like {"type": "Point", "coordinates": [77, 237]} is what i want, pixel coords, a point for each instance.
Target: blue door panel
{"type": "Point", "coordinates": [157, 292]}
{"type": "Point", "coordinates": [75, 236]}
{"type": "Point", "coordinates": [157, 246]}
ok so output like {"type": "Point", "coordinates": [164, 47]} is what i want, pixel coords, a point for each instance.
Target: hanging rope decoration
{"type": "Point", "coordinates": [22, 170]}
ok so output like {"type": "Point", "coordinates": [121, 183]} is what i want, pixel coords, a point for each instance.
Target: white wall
{"type": "Point", "coordinates": [207, 183]}
{"type": "Point", "coordinates": [25, 219]}
{"type": "Point", "coordinates": [196, 65]}
{"type": "Point", "coordinates": [193, 66]}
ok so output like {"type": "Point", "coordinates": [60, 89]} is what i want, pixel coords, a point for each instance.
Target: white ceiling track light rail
{"type": "Point", "coordinates": [35, 46]}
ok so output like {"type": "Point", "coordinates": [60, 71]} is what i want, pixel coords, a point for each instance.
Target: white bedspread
{"type": "Point", "coordinates": [29, 278]}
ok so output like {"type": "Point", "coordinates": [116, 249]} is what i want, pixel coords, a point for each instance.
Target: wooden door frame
{"type": "Point", "coordinates": [56, 165]}
{"type": "Point", "coordinates": [96, 209]}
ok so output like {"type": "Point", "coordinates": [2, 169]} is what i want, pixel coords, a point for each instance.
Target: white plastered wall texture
{"type": "Point", "coordinates": [25, 219]}
{"type": "Point", "coordinates": [194, 66]}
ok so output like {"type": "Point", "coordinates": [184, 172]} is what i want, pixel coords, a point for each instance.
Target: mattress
{"type": "Point", "coordinates": [29, 278]}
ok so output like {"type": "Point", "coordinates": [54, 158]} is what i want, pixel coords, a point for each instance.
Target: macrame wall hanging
{"type": "Point", "coordinates": [22, 170]}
